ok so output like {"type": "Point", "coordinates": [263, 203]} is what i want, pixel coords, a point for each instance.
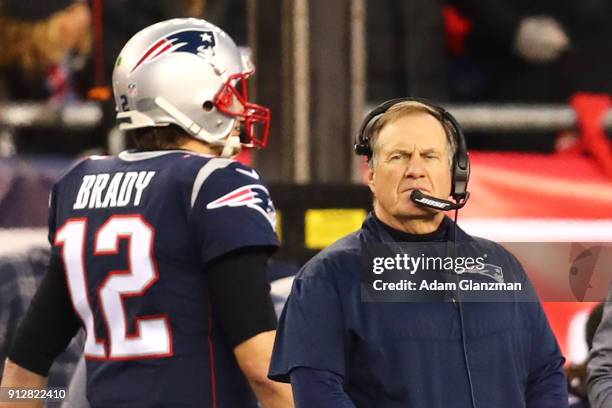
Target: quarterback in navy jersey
{"type": "Point", "coordinates": [160, 253]}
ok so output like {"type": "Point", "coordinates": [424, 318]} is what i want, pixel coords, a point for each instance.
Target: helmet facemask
{"type": "Point", "coordinates": [232, 99]}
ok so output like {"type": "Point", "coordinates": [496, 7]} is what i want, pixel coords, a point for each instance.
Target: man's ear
{"type": "Point", "coordinates": [370, 178]}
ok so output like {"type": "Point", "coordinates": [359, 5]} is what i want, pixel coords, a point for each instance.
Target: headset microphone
{"type": "Point", "coordinates": [418, 197]}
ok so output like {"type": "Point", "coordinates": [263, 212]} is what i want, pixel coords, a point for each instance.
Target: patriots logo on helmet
{"type": "Point", "coordinates": [198, 42]}
{"type": "Point", "coordinates": [254, 196]}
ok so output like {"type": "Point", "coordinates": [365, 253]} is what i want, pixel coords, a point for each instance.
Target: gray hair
{"type": "Point", "coordinates": [405, 108]}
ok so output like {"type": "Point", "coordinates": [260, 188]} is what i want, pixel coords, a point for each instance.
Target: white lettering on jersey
{"type": "Point", "coordinates": [95, 201]}
{"type": "Point", "coordinates": [124, 189]}
{"type": "Point", "coordinates": [113, 190]}
{"type": "Point", "coordinates": [125, 193]}
{"type": "Point", "coordinates": [83, 195]}
{"type": "Point", "coordinates": [143, 180]}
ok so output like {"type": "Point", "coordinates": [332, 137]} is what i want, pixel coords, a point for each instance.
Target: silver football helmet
{"type": "Point", "coordinates": [188, 72]}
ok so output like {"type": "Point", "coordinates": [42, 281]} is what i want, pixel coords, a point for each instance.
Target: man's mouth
{"type": "Point", "coordinates": [411, 189]}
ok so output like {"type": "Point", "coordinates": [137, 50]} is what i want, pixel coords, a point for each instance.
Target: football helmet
{"type": "Point", "coordinates": [190, 73]}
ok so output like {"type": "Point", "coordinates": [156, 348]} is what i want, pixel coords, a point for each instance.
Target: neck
{"type": "Point", "coordinates": [199, 147]}
{"type": "Point", "coordinates": [417, 225]}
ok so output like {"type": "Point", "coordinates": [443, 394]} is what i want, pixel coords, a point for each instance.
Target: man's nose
{"type": "Point", "coordinates": [415, 167]}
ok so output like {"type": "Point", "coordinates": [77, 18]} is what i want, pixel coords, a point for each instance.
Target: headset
{"type": "Point", "coordinates": [460, 166]}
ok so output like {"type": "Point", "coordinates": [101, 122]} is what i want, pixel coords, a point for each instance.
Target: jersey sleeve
{"type": "Point", "coordinates": [231, 209]}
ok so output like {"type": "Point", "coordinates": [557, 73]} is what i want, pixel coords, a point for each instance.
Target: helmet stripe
{"type": "Point", "coordinates": [150, 51]}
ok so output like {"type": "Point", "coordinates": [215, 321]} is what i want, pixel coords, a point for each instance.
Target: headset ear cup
{"type": "Point", "coordinates": [362, 143]}
{"type": "Point", "coordinates": [461, 176]}
{"type": "Point", "coordinates": [362, 149]}
{"type": "Point", "coordinates": [461, 159]}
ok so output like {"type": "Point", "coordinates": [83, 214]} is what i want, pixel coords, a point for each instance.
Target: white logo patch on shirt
{"type": "Point", "coordinates": [254, 196]}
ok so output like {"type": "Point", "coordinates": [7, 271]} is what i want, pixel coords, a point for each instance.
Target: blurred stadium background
{"type": "Point", "coordinates": [535, 109]}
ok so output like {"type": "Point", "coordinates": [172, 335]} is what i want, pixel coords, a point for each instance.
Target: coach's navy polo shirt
{"type": "Point", "coordinates": [411, 354]}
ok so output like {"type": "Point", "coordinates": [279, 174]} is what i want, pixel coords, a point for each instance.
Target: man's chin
{"type": "Point", "coordinates": [416, 211]}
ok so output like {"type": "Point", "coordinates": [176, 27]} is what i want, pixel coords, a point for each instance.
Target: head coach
{"type": "Point", "coordinates": [340, 351]}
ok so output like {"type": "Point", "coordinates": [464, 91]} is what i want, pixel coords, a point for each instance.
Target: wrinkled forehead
{"type": "Point", "coordinates": [415, 131]}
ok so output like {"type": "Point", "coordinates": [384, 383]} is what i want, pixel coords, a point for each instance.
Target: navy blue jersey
{"type": "Point", "coordinates": [135, 233]}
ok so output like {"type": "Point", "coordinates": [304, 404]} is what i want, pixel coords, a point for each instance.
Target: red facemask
{"type": "Point", "coordinates": [233, 100]}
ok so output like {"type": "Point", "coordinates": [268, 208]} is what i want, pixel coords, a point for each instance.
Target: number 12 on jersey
{"type": "Point", "coordinates": [153, 337]}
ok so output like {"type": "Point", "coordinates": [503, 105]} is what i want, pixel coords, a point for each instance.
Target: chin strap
{"type": "Point", "coordinates": [231, 147]}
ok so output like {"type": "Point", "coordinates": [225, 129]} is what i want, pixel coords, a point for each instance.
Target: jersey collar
{"type": "Point", "coordinates": [134, 155]}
